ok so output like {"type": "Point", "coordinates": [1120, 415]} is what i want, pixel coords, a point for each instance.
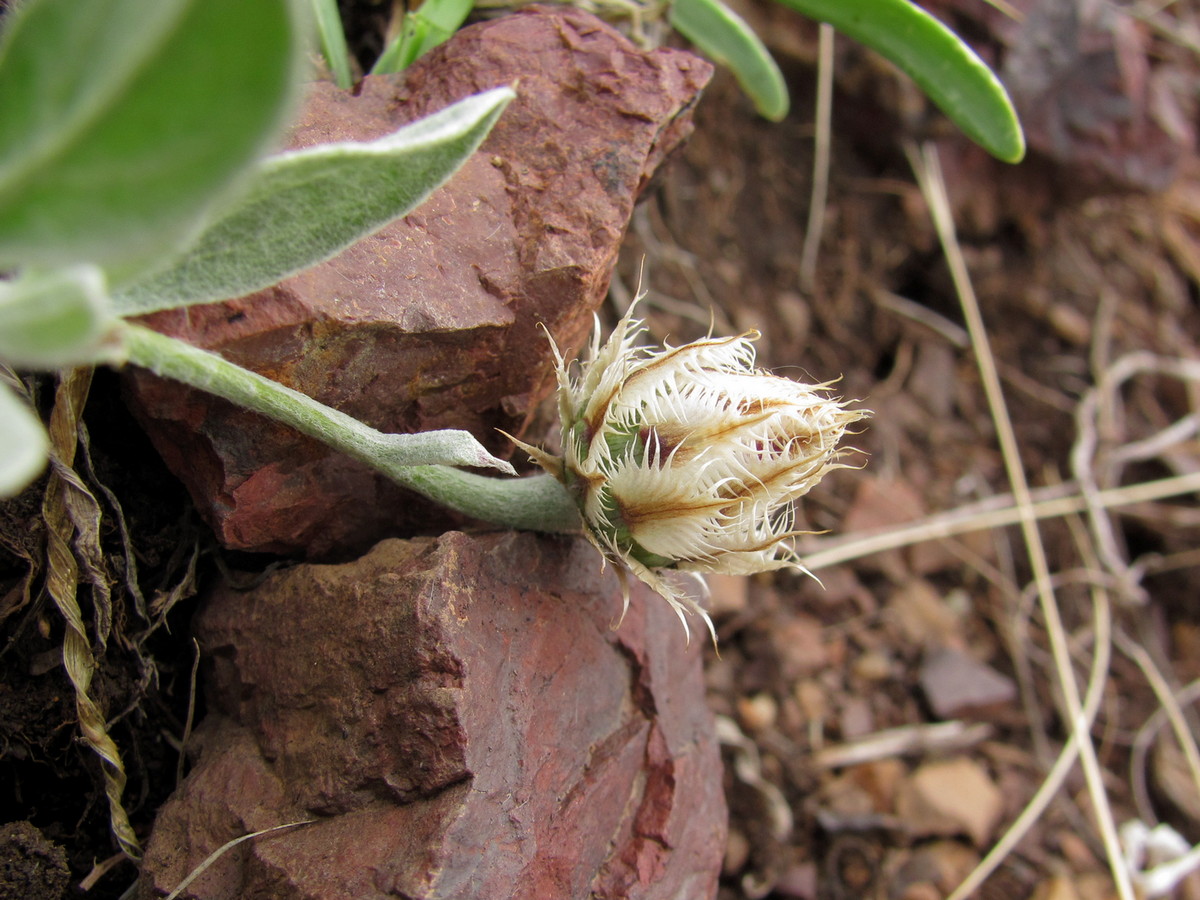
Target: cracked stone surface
{"type": "Point", "coordinates": [462, 722]}
{"type": "Point", "coordinates": [436, 320]}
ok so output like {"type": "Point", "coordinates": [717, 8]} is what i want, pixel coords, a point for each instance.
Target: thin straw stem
{"type": "Point", "coordinates": [929, 175]}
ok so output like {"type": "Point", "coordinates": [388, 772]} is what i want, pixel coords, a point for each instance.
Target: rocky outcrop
{"type": "Point", "coordinates": [459, 720]}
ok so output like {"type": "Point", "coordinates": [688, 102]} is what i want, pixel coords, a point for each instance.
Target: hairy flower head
{"type": "Point", "coordinates": [689, 459]}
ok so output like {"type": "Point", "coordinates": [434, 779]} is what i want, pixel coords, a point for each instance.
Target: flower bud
{"type": "Point", "coordinates": [688, 459]}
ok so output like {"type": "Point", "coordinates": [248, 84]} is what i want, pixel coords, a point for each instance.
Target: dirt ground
{"type": "Point", "coordinates": [885, 727]}
{"type": "Point", "coordinates": [883, 731]}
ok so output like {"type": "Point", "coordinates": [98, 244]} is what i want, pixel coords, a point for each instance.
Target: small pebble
{"type": "Point", "coordinates": [810, 696]}
{"type": "Point", "coordinates": [737, 852]}
{"type": "Point", "coordinates": [757, 712]}
{"type": "Point", "coordinates": [873, 665]}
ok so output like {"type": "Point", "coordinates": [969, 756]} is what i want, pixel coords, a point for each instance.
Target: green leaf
{"type": "Point", "coordinates": [308, 205]}
{"type": "Point", "coordinates": [724, 37]}
{"type": "Point", "coordinates": [944, 67]}
{"type": "Point", "coordinates": [445, 15]}
{"type": "Point", "coordinates": [423, 29]}
{"type": "Point", "coordinates": [392, 454]}
{"type": "Point", "coordinates": [120, 120]}
{"type": "Point", "coordinates": [24, 444]}
{"type": "Point", "coordinates": [333, 42]}
{"type": "Point", "coordinates": [55, 319]}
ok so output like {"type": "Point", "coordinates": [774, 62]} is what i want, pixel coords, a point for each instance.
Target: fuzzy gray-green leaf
{"type": "Point", "coordinates": [122, 120]}
{"type": "Point", "coordinates": [306, 206]}
{"type": "Point", "coordinates": [50, 320]}
{"type": "Point", "coordinates": [23, 444]}
{"type": "Point", "coordinates": [392, 454]}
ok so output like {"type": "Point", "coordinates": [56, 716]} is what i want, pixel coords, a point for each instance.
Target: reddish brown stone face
{"type": "Point", "coordinates": [462, 721]}
{"type": "Point", "coordinates": [432, 322]}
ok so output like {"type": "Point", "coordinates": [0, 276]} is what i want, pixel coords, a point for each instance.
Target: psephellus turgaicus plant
{"type": "Point", "coordinates": [135, 176]}
{"type": "Point", "coordinates": [688, 459]}
{"type": "Point", "coordinates": [132, 179]}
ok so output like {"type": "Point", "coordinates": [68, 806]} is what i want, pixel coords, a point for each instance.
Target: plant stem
{"type": "Point", "coordinates": [537, 503]}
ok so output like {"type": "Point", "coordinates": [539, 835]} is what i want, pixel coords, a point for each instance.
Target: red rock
{"type": "Point", "coordinates": [956, 685]}
{"type": "Point", "coordinates": [433, 322]}
{"type": "Point", "coordinates": [1092, 88]}
{"type": "Point", "coordinates": [950, 797]}
{"type": "Point", "coordinates": [881, 503]}
{"type": "Point", "coordinates": [461, 721]}
{"type": "Point", "coordinates": [1090, 97]}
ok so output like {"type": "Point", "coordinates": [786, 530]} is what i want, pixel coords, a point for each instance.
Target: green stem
{"type": "Point", "coordinates": [538, 503]}
{"type": "Point", "coordinates": [333, 42]}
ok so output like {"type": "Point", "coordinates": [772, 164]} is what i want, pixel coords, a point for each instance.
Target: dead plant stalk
{"type": "Point", "coordinates": [929, 176]}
